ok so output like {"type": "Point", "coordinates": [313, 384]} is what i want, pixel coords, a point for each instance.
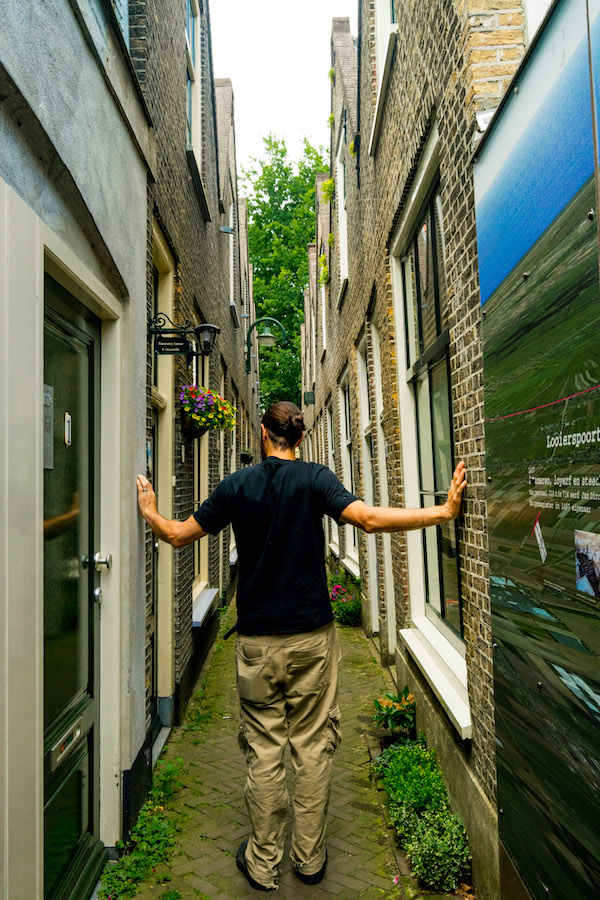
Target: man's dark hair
{"type": "Point", "coordinates": [284, 423]}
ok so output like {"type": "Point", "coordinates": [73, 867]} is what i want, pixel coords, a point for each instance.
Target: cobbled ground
{"type": "Point", "coordinates": [362, 858]}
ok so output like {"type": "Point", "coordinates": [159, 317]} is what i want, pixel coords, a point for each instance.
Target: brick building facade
{"type": "Point", "coordinates": [119, 202]}
{"type": "Point", "coordinates": [392, 351]}
{"type": "Point", "coordinates": [198, 272]}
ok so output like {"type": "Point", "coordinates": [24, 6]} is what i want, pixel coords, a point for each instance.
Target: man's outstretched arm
{"type": "Point", "coordinates": [179, 534]}
{"type": "Point", "coordinates": [374, 519]}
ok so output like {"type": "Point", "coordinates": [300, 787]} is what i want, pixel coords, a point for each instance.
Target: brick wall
{"type": "Point", "coordinates": [201, 254]}
{"type": "Point", "coordinates": [451, 61]}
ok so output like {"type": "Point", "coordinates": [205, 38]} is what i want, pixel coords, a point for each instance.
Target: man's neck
{"type": "Point", "coordinates": [281, 454]}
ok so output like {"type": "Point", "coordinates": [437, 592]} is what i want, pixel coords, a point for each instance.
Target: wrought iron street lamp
{"type": "Point", "coordinates": [266, 338]}
{"type": "Point", "coordinates": [174, 340]}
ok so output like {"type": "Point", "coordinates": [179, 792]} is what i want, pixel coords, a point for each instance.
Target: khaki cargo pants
{"type": "Point", "coordinates": [287, 686]}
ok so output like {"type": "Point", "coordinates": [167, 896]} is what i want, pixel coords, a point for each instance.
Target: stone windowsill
{"type": "Point", "coordinates": [351, 564]}
{"type": "Point", "coordinates": [444, 668]}
{"type": "Point", "coordinates": [383, 88]}
{"type": "Point", "coordinates": [203, 599]}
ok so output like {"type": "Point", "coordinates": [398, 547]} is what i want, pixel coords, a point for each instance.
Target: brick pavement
{"type": "Point", "coordinates": [362, 861]}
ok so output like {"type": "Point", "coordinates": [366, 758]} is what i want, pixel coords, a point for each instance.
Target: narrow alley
{"type": "Point", "coordinates": [362, 859]}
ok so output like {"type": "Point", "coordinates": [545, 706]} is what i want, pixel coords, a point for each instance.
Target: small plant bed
{"type": "Point", "coordinates": [432, 836]}
{"type": "Point", "coordinates": [152, 838]}
{"type": "Point", "coordinates": [345, 594]}
{"type": "Point", "coordinates": [395, 713]}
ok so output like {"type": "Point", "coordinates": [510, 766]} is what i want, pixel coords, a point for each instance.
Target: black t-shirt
{"type": "Point", "coordinates": [276, 509]}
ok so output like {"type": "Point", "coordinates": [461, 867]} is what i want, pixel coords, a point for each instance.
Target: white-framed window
{"type": "Point", "coordinates": [192, 41]}
{"type": "Point", "coordinates": [385, 36]}
{"type": "Point", "coordinates": [388, 572]}
{"type": "Point", "coordinates": [351, 557]}
{"type": "Point", "coordinates": [323, 299]}
{"type": "Point", "coordinates": [121, 8]}
{"type": "Point", "coordinates": [385, 19]}
{"type": "Point", "coordinates": [334, 534]}
{"type": "Point", "coordinates": [231, 238]}
{"type": "Point", "coordinates": [200, 374]}
{"type": "Point", "coordinates": [368, 453]}
{"type": "Point", "coordinates": [341, 212]}
{"type": "Point", "coordinates": [425, 409]}
{"type": "Point", "coordinates": [535, 10]}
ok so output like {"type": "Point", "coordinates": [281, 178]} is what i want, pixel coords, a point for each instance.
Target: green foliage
{"type": "Point", "coordinates": [331, 74]}
{"type": "Point", "coordinates": [345, 594]}
{"type": "Point", "coordinates": [330, 239]}
{"type": "Point", "coordinates": [434, 838]}
{"type": "Point", "coordinates": [327, 190]}
{"type": "Point", "coordinates": [331, 121]}
{"type": "Point", "coordinates": [323, 270]}
{"type": "Point", "coordinates": [171, 895]}
{"type": "Point", "coordinates": [152, 838]}
{"type": "Point", "coordinates": [352, 149]}
{"type": "Point", "coordinates": [281, 208]}
{"type": "Point", "coordinates": [347, 611]}
{"type": "Point", "coordinates": [397, 713]}
{"type": "Point", "coordinates": [438, 850]}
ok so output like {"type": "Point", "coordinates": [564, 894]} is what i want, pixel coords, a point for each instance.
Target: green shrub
{"type": "Point", "coordinates": [323, 270]}
{"type": "Point", "coordinates": [327, 190]}
{"type": "Point", "coordinates": [330, 239]}
{"type": "Point", "coordinates": [347, 611]}
{"type": "Point", "coordinates": [434, 838]}
{"type": "Point", "coordinates": [331, 74]}
{"type": "Point", "coordinates": [412, 777]}
{"type": "Point", "coordinates": [331, 121]}
{"type": "Point", "coordinates": [152, 838]}
{"type": "Point", "coordinates": [438, 850]}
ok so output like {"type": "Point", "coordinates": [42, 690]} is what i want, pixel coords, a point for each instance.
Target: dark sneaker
{"type": "Point", "coordinates": [243, 867]}
{"type": "Point", "coordinates": [316, 877]}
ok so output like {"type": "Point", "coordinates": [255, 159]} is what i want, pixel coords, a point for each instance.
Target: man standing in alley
{"type": "Point", "coordinates": [287, 651]}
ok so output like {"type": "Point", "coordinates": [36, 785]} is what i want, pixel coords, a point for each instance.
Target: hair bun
{"type": "Point", "coordinates": [297, 421]}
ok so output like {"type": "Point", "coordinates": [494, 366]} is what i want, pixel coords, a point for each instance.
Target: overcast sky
{"type": "Point", "coordinates": [277, 54]}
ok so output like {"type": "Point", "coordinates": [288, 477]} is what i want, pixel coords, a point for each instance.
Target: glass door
{"type": "Point", "coordinates": [72, 851]}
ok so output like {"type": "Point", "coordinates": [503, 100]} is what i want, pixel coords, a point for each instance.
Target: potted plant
{"type": "Point", "coordinates": [203, 410]}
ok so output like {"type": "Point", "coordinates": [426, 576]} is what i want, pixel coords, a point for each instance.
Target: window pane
{"type": "Point", "coordinates": [425, 436]}
{"type": "Point", "coordinates": [440, 409]}
{"type": "Point", "coordinates": [425, 283]}
{"type": "Point", "coordinates": [409, 290]}
{"type": "Point", "coordinates": [450, 575]}
{"type": "Point", "coordinates": [432, 565]}
{"type": "Point", "coordinates": [440, 262]}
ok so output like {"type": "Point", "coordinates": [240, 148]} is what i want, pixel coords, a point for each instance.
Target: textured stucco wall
{"type": "Point", "coordinates": [70, 152]}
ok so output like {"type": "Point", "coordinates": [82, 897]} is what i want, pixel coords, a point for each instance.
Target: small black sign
{"type": "Point", "coordinates": [171, 343]}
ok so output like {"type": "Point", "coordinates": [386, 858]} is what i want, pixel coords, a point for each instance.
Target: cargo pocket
{"type": "Point", "coordinates": [243, 742]}
{"type": "Point", "coordinates": [309, 671]}
{"type": "Point", "coordinates": [334, 730]}
{"type": "Point", "coordinates": [253, 677]}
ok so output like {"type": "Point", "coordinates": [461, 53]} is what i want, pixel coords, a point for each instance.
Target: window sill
{"type": "Point", "coordinates": [156, 399]}
{"type": "Point", "coordinates": [202, 603]}
{"type": "Point", "coordinates": [444, 669]}
{"type": "Point", "coordinates": [342, 292]}
{"type": "Point", "coordinates": [198, 183]}
{"type": "Point", "coordinates": [351, 565]}
{"type": "Point", "coordinates": [335, 548]}
{"type": "Point", "coordinates": [383, 88]}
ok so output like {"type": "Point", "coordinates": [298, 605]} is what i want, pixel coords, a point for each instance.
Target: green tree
{"type": "Point", "coordinates": [281, 207]}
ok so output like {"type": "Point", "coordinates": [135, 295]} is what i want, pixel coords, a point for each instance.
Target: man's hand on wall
{"type": "Point", "coordinates": [146, 495]}
{"type": "Point", "coordinates": [455, 491]}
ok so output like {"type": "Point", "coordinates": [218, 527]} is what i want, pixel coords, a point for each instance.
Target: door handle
{"type": "Point", "coordinates": [98, 595]}
{"type": "Point", "coordinates": [156, 546]}
{"type": "Point", "coordinates": [100, 561]}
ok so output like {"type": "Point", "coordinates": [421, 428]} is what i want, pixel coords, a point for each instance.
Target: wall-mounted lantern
{"type": "Point", "coordinates": [265, 338]}
{"type": "Point", "coordinates": [174, 340]}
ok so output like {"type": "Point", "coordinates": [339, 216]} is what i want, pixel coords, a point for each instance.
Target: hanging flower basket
{"type": "Point", "coordinates": [203, 410]}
